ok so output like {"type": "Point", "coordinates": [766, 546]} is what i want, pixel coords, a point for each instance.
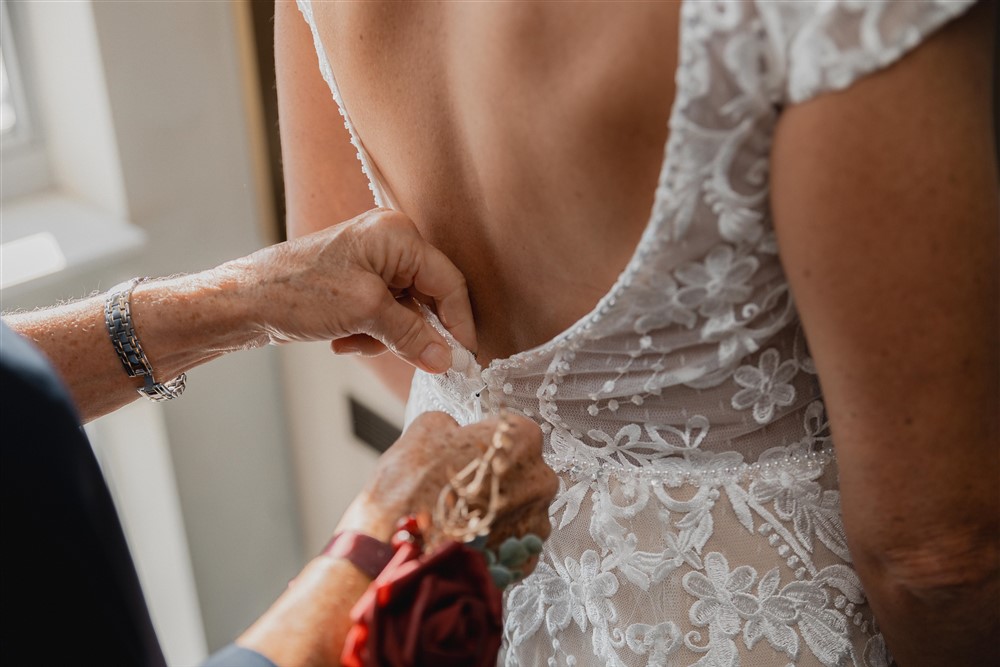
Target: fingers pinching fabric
{"type": "Point", "coordinates": [464, 378]}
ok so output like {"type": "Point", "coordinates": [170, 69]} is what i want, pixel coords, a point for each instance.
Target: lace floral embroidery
{"type": "Point", "coordinates": [765, 386]}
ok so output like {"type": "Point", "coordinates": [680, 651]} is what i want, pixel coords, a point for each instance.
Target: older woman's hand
{"type": "Point", "coordinates": [346, 284]}
{"type": "Point", "coordinates": [306, 627]}
{"type": "Point", "coordinates": [411, 474]}
{"type": "Point", "coordinates": [343, 284]}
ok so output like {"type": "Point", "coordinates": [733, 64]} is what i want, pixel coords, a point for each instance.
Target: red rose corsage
{"type": "Point", "coordinates": [441, 608]}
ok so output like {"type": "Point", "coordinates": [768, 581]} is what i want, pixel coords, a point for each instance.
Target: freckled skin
{"type": "Point", "coordinates": [421, 472]}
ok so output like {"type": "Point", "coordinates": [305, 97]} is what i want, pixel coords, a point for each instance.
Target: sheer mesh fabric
{"type": "Point", "coordinates": [698, 520]}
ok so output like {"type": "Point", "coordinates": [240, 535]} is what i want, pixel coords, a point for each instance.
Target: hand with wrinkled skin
{"type": "Point", "coordinates": [411, 474]}
{"type": "Point", "coordinates": [342, 285]}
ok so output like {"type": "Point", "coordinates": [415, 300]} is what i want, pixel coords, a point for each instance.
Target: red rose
{"type": "Point", "coordinates": [440, 610]}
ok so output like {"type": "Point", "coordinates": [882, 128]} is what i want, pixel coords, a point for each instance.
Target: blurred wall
{"type": "Point", "coordinates": [331, 462]}
{"type": "Point", "coordinates": [174, 83]}
{"type": "Point", "coordinates": [171, 96]}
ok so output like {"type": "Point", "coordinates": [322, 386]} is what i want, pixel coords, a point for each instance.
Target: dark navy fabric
{"type": "Point", "coordinates": [68, 588]}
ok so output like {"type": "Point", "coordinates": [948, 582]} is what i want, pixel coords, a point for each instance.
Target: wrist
{"type": "Point", "coordinates": [364, 516]}
{"type": "Point", "coordinates": [321, 598]}
{"type": "Point", "coordinates": [121, 328]}
{"type": "Point", "coordinates": [257, 293]}
{"type": "Point", "coordinates": [366, 553]}
{"type": "Point", "coordinates": [238, 293]}
{"type": "Point", "coordinates": [184, 321]}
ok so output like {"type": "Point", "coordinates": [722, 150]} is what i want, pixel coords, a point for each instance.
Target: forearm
{"type": "Point", "coordinates": [330, 285]}
{"type": "Point", "coordinates": [308, 624]}
{"type": "Point", "coordinates": [180, 322]}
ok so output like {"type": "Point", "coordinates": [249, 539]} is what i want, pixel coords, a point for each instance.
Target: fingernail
{"type": "Point", "coordinates": [436, 357]}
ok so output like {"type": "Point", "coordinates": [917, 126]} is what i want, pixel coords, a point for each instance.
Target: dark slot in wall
{"type": "Point", "coordinates": [370, 428]}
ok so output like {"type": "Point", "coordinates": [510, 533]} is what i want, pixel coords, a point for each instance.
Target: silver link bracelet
{"type": "Point", "coordinates": [118, 318]}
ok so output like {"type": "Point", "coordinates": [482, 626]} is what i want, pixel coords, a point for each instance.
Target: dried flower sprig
{"type": "Point", "coordinates": [461, 514]}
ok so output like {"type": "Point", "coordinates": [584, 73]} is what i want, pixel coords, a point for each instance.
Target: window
{"type": "Point", "coordinates": [10, 85]}
{"type": "Point", "coordinates": [25, 166]}
{"type": "Point", "coordinates": [8, 114]}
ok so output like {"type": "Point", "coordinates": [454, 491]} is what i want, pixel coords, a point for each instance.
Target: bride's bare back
{"type": "Point", "coordinates": [524, 139]}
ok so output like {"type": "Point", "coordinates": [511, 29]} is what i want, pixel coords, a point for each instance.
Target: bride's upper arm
{"type": "Point", "coordinates": [324, 183]}
{"type": "Point", "coordinates": [885, 205]}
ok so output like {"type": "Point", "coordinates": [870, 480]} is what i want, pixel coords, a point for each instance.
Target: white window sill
{"type": "Point", "coordinates": [50, 237]}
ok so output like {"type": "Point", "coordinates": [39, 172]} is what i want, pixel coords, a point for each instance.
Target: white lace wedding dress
{"type": "Point", "coordinates": [698, 521]}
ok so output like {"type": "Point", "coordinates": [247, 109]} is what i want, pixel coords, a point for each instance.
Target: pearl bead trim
{"type": "Point", "coordinates": [686, 472]}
